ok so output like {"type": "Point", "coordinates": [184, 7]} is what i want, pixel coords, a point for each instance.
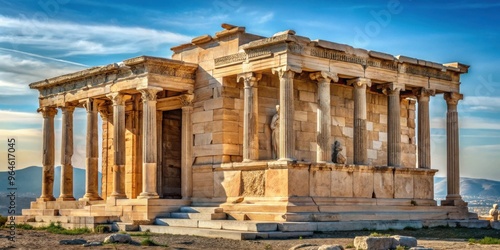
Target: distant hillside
{"type": "Point", "coordinates": [469, 187]}
{"type": "Point", "coordinates": [29, 181]}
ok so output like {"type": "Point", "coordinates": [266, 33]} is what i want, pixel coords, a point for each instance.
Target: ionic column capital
{"type": "Point", "coordinates": [423, 94]}
{"type": "Point", "coordinates": [149, 94]}
{"type": "Point", "coordinates": [186, 100]}
{"type": "Point", "coordinates": [47, 112]}
{"type": "Point", "coordinates": [287, 71]}
{"type": "Point", "coordinates": [250, 79]}
{"type": "Point", "coordinates": [324, 76]}
{"type": "Point", "coordinates": [392, 88]}
{"type": "Point", "coordinates": [118, 98]}
{"type": "Point", "coordinates": [67, 108]}
{"type": "Point", "coordinates": [360, 82]}
{"type": "Point", "coordinates": [452, 98]}
{"type": "Point", "coordinates": [91, 104]}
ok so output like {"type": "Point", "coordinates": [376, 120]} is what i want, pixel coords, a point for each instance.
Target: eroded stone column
{"type": "Point", "coordinates": [187, 147]}
{"type": "Point", "coordinates": [323, 115]}
{"type": "Point", "coordinates": [149, 146]}
{"type": "Point", "coordinates": [92, 153]}
{"type": "Point", "coordinates": [452, 150]}
{"type": "Point", "coordinates": [67, 153]}
{"type": "Point", "coordinates": [360, 137]}
{"type": "Point", "coordinates": [286, 134]}
{"type": "Point", "coordinates": [250, 116]}
{"type": "Point", "coordinates": [393, 125]}
{"type": "Point", "coordinates": [119, 144]}
{"type": "Point", "coordinates": [48, 114]}
{"type": "Point", "coordinates": [424, 128]}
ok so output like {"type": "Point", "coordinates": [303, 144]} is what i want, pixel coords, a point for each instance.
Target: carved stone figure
{"type": "Point", "coordinates": [494, 212]}
{"type": "Point", "coordinates": [275, 136]}
{"type": "Point", "coordinates": [337, 156]}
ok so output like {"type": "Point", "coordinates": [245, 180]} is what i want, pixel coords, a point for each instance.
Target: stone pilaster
{"type": "Point", "coordinates": [360, 137]}
{"type": "Point", "coordinates": [250, 116]}
{"type": "Point", "coordinates": [92, 153]}
{"type": "Point", "coordinates": [452, 151]}
{"type": "Point", "coordinates": [424, 128]}
{"type": "Point", "coordinates": [118, 144]}
{"type": "Point", "coordinates": [393, 124]}
{"type": "Point", "coordinates": [149, 146]}
{"type": "Point", "coordinates": [67, 153]}
{"type": "Point", "coordinates": [324, 116]}
{"type": "Point", "coordinates": [187, 147]}
{"type": "Point", "coordinates": [286, 117]}
{"type": "Point", "coordinates": [48, 114]}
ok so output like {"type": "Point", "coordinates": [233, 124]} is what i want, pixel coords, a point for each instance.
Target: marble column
{"type": "Point", "coordinates": [118, 144]}
{"type": "Point", "coordinates": [187, 147]}
{"type": "Point", "coordinates": [323, 115]}
{"type": "Point", "coordinates": [149, 145]}
{"type": "Point", "coordinates": [393, 125]}
{"type": "Point", "coordinates": [67, 153]}
{"type": "Point", "coordinates": [48, 114]}
{"type": "Point", "coordinates": [286, 145]}
{"type": "Point", "coordinates": [360, 136]}
{"type": "Point", "coordinates": [452, 150]}
{"type": "Point", "coordinates": [250, 116]}
{"type": "Point", "coordinates": [424, 128]}
{"type": "Point", "coordinates": [92, 151]}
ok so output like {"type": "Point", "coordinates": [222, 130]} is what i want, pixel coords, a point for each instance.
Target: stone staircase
{"type": "Point", "coordinates": [213, 222]}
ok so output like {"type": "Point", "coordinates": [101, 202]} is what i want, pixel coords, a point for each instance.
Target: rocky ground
{"type": "Point", "coordinates": [442, 238]}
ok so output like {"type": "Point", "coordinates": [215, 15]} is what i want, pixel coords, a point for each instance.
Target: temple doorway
{"type": "Point", "coordinates": [171, 154]}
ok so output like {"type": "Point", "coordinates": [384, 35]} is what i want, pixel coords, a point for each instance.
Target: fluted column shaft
{"type": "Point", "coordinates": [424, 129]}
{"type": "Point", "coordinates": [360, 137]}
{"type": "Point", "coordinates": [393, 127]}
{"type": "Point", "coordinates": [67, 154]}
{"type": "Point", "coordinates": [92, 151]}
{"type": "Point", "coordinates": [187, 147]}
{"type": "Point", "coordinates": [452, 148]}
{"type": "Point", "coordinates": [323, 115]}
{"type": "Point", "coordinates": [286, 134]}
{"type": "Point", "coordinates": [149, 146]}
{"type": "Point", "coordinates": [119, 144]}
{"type": "Point", "coordinates": [48, 114]}
{"type": "Point", "coordinates": [250, 117]}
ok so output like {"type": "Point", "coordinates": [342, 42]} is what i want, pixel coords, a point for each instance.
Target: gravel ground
{"type": "Point", "coordinates": [441, 238]}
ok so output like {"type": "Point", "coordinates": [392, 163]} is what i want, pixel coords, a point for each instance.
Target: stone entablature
{"type": "Point", "coordinates": [139, 72]}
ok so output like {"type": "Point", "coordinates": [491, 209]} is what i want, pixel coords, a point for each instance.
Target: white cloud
{"type": "Point", "coordinates": [264, 18]}
{"type": "Point", "coordinates": [18, 69]}
{"type": "Point", "coordinates": [67, 39]}
{"type": "Point", "coordinates": [467, 123]}
{"type": "Point", "coordinates": [482, 103]}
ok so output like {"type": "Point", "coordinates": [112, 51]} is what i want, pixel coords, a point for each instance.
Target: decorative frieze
{"type": "Point", "coordinates": [428, 72]}
{"type": "Point", "coordinates": [230, 59]}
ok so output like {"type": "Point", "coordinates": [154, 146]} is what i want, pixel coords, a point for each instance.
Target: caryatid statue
{"type": "Point", "coordinates": [275, 133]}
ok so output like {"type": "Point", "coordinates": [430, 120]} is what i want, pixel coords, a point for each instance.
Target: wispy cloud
{"type": "Point", "coordinates": [468, 123]}
{"type": "Point", "coordinates": [18, 69]}
{"type": "Point", "coordinates": [67, 39]}
{"type": "Point", "coordinates": [261, 19]}
{"type": "Point", "coordinates": [482, 103]}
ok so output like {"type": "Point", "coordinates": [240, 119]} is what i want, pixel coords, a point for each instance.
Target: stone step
{"type": "Point", "coordinates": [176, 222]}
{"type": "Point", "coordinates": [199, 216]}
{"type": "Point", "coordinates": [201, 210]}
{"type": "Point", "coordinates": [226, 234]}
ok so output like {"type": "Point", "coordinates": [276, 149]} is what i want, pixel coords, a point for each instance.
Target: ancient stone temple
{"type": "Point", "coordinates": [250, 128]}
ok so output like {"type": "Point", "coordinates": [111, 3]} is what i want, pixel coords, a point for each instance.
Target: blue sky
{"type": "Point", "coordinates": [46, 38]}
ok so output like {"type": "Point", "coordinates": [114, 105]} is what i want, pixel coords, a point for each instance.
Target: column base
{"type": "Point", "coordinates": [145, 195]}
{"type": "Point", "coordinates": [287, 159]}
{"type": "Point", "coordinates": [118, 196]}
{"type": "Point", "coordinates": [90, 197]}
{"type": "Point", "coordinates": [65, 198]}
{"type": "Point", "coordinates": [454, 200]}
{"type": "Point", "coordinates": [45, 198]}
